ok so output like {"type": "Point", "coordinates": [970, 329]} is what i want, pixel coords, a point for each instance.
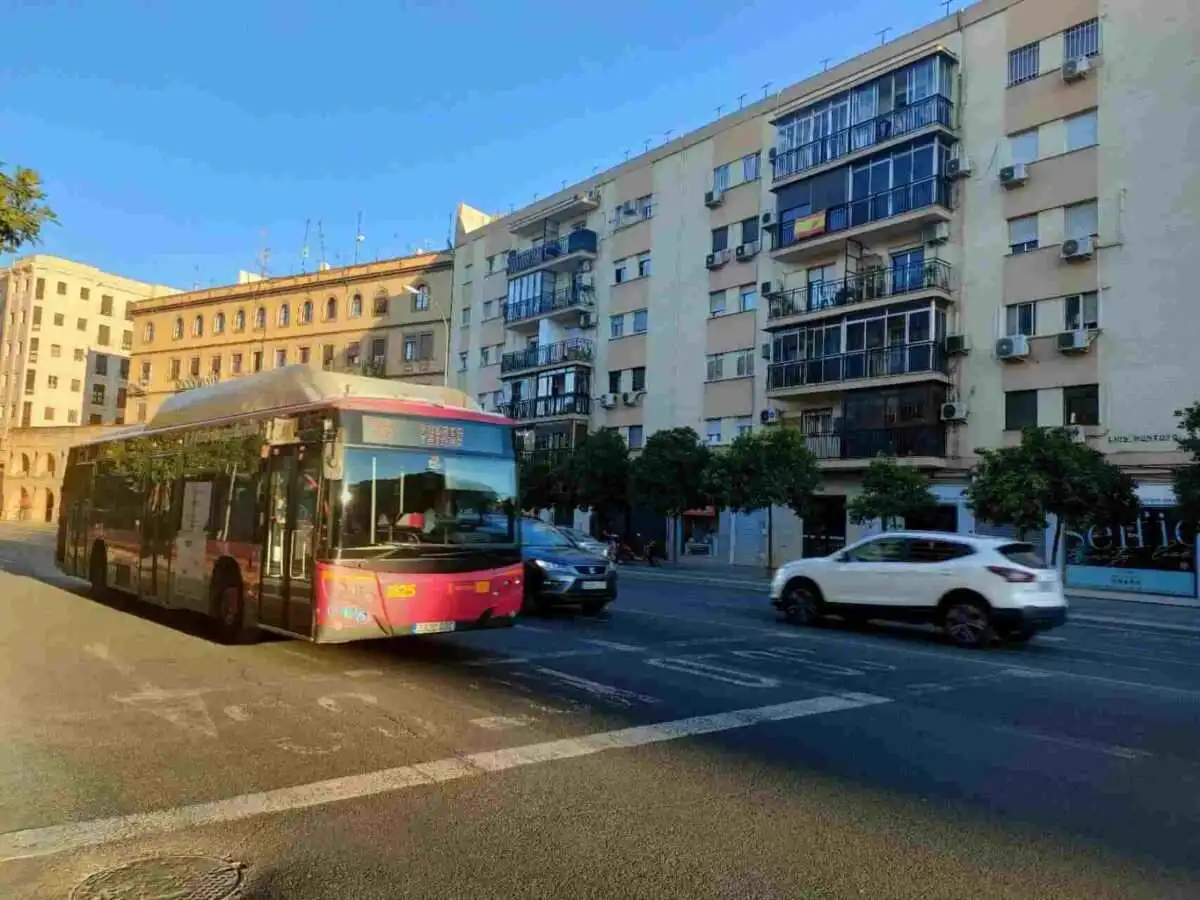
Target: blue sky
{"type": "Point", "coordinates": [172, 135]}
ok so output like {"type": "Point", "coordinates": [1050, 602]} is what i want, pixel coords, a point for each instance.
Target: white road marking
{"type": "Point", "coordinates": [694, 665]}
{"type": "Point", "coordinates": [502, 723]}
{"type": "Point", "coordinates": [183, 708]}
{"type": "Point", "coordinates": [35, 842]}
{"type": "Point", "coordinates": [1074, 743]}
{"type": "Point", "coordinates": [608, 692]}
{"type": "Point", "coordinates": [613, 645]}
{"type": "Point", "coordinates": [797, 656]}
{"type": "Point", "coordinates": [525, 627]}
{"type": "Point", "coordinates": [330, 702]}
{"type": "Point", "coordinates": [363, 673]}
{"type": "Point", "coordinates": [1051, 639]}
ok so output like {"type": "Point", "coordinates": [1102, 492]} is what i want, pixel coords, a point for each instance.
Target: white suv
{"type": "Point", "coordinates": [976, 588]}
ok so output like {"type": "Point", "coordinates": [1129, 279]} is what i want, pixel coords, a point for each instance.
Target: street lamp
{"type": "Point", "coordinates": [445, 327]}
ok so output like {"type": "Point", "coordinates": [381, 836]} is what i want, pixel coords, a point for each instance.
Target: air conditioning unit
{"type": "Point", "coordinates": [608, 401]}
{"type": "Point", "coordinates": [769, 416]}
{"type": "Point", "coordinates": [772, 153]}
{"type": "Point", "coordinates": [1076, 69]}
{"type": "Point", "coordinates": [713, 198]}
{"type": "Point", "coordinates": [629, 209]}
{"type": "Point", "coordinates": [1014, 346]}
{"type": "Point", "coordinates": [1015, 175]}
{"type": "Point", "coordinates": [1074, 249]}
{"type": "Point", "coordinates": [1074, 342]}
{"type": "Point", "coordinates": [766, 288]}
{"type": "Point", "coordinates": [586, 281]}
{"type": "Point", "coordinates": [954, 412]}
{"type": "Point", "coordinates": [747, 251]}
{"type": "Point", "coordinates": [768, 220]}
{"type": "Point", "coordinates": [958, 167]}
{"type": "Point", "coordinates": [585, 320]}
{"type": "Point", "coordinates": [765, 351]}
{"type": "Point", "coordinates": [937, 233]}
{"type": "Point", "coordinates": [1078, 435]}
{"type": "Point", "coordinates": [717, 259]}
{"type": "Point", "coordinates": [631, 398]}
{"type": "Point", "coordinates": [957, 345]}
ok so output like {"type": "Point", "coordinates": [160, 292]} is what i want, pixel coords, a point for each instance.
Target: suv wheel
{"type": "Point", "coordinates": [968, 623]}
{"type": "Point", "coordinates": [802, 604]}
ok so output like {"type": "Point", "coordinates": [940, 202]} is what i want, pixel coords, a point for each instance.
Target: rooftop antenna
{"type": "Point", "coordinates": [358, 236]}
{"type": "Point", "coordinates": [945, 6]}
{"type": "Point", "coordinates": [667, 134]}
{"type": "Point", "coordinates": [321, 244]}
{"type": "Point", "coordinates": [196, 280]}
{"type": "Point", "coordinates": [883, 35]}
{"type": "Point", "coordinates": [741, 100]}
{"type": "Point", "coordinates": [719, 108]}
{"type": "Point", "coordinates": [647, 150]}
{"type": "Point", "coordinates": [304, 249]}
{"type": "Point", "coordinates": [766, 89]}
{"type": "Point", "coordinates": [264, 255]}
{"type": "Point", "coordinates": [826, 61]}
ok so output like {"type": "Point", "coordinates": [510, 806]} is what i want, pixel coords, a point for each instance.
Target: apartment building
{"type": "Point", "coordinates": [66, 332]}
{"type": "Point", "coordinates": [979, 226]}
{"type": "Point", "coordinates": [389, 319]}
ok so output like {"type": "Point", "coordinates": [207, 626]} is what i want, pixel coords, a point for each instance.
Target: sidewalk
{"type": "Point", "coordinates": [1146, 614]}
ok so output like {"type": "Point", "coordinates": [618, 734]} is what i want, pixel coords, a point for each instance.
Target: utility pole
{"type": "Point", "coordinates": [304, 248]}
{"type": "Point", "coordinates": [358, 236]}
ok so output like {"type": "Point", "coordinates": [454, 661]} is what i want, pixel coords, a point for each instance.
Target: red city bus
{"type": "Point", "coordinates": [317, 505]}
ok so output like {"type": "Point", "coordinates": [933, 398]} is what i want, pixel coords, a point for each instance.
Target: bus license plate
{"type": "Point", "coordinates": [595, 585]}
{"type": "Point", "coordinates": [433, 627]}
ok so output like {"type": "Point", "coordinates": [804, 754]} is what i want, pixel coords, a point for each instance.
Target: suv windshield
{"type": "Point", "coordinates": [414, 499]}
{"type": "Point", "coordinates": [539, 534]}
{"type": "Point", "coordinates": [1022, 555]}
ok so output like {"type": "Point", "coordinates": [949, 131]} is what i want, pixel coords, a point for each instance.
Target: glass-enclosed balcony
{"type": "Point", "coordinates": [801, 375]}
{"type": "Point", "coordinates": [907, 276]}
{"type": "Point", "coordinates": [559, 252]}
{"type": "Point", "coordinates": [573, 297]}
{"type": "Point", "coordinates": [549, 407]}
{"type": "Point", "coordinates": [928, 440]}
{"type": "Point", "coordinates": [574, 350]}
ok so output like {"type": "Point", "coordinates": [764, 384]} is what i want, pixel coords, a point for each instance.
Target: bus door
{"type": "Point", "coordinates": [158, 533]}
{"type": "Point", "coordinates": [293, 491]}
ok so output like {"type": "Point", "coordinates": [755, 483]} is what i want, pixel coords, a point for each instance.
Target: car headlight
{"type": "Point", "coordinates": [553, 568]}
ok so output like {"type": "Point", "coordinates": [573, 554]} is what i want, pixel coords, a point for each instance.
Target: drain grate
{"type": "Point", "coordinates": [163, 878]}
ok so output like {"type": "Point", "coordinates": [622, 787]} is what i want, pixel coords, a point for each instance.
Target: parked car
{"type": "Point", "coordinates": [585, 542]}
{"type": "Point", "coordinates": [558, 573]}
{"type": "Point", "coordinates": [975, 588]}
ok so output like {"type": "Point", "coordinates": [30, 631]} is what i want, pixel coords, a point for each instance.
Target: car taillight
{"type": "Point", "coordinates": [1012, 576]}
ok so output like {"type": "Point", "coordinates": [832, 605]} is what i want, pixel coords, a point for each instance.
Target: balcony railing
{"type": "Point", "coordinates": [935, 110]}
{"type": "Point", "coordinates": [547, 407]}
{"type": "Point", "coordinates": [916, 195]}
{"type": "Point", "coordinates": [569, 351]}
{"type": "Point", "coordinates": [879, 362]}
{"type": "Point", "coordinates": [867, 443]}
{"type": "Point", "coordinates": [583, 239]}
{"type": "Point", "coordinates": [551, 301]}
{"type": "Point", "coordinates": [932, 274]}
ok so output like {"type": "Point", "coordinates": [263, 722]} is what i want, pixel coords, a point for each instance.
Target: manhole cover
{"type": "Point", "coordinates": [163, 878]}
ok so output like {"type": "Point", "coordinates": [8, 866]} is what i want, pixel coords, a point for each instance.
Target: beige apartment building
{"type": "Point", "coordinates": [66, 332]}
{"type": "Point", "coordinates": [389, 318]}
{"type": "Point", "coordinates": [982, 225]}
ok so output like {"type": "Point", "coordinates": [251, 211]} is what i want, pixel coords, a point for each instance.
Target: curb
{"type": "Point", "coordinates": [1109, 621]}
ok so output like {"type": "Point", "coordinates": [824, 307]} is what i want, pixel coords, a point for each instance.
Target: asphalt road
{"type": "Point", "coordinates": [686, 745]}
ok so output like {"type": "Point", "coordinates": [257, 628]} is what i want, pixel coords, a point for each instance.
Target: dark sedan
{"type": "Point", "coordinates": [557, 573]}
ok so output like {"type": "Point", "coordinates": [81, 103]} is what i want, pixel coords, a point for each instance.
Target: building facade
{"type": "Point", "coordinates": [388, 318]}
{"type": "Point", "coordinates": [66, 332]}
{"type": "Point", "coordinates": [34, 460]}
{"type": "Point", "coordinates": [980, 226]}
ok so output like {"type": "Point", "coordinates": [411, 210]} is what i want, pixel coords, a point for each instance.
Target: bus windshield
{"type": "Point", "coordinates": [414, 500]}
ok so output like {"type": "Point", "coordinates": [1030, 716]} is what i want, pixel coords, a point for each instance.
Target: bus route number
{"type": "Point", "coordinates": [401, 591]}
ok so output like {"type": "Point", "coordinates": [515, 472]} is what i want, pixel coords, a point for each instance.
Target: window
{"type": "Point", "coordinates": [462, 361]}
{"type": "Point", "coordinates": [239, 320]}
{"type": "Point", "coordinates": [148, 333]}
{"type": "Point", "coordinates": [280, 357]}
{"type": "Point", "coordinates": [635, 437]}
{"type": "Point", "coordinates": [410, 348]}
{"type": "Point", "coordinates": [638, 378]}
{"type": "Point", "coordinates": [1082, 130]}
{"type": "Point", "coordinates": [103, 336]}
{"type": "Point", "coordinates": [55, 351]}
{"type": "Point", "coordinates": [1082, 40]}
{"type": "Point", "coordinates": [78, 354]}
{"type": "Point", "coordinates": [489, 309]}
{"type": "Point", "coordinates": [420, 300]}
{"type": "Point", "coordinates": [141, 412]}
{"type": "Point", "coordinates": [353, 353]}
{"type": "Point", "coordinates": [1023, 147]}
{"type": "Point", "coordinates": [219, 323]}
{"type": "Point", "coordinates": [1021, 319]}
{"type": "Point", "coordinates": [61, 288]}
{"type": "Point", "coordinates": [76, 385]}
{"type": "Point", "coordinates": [425, 345]}
{"type": "Point", "coordinates": [721, 178]}
{"type": "Point", "coordinates": [30, 380]}
{"type": "Point", "coordinates": [214, 365]}
{"type": "Point", "coordinates": [883, 550]}
{"type": "Point", "coordinates": [327, 354]}
{"type": "Point", "coordinates": [106, 305]}
{"type": "Point", "coordinates": [1023, 234]}
{"type": "Point", "coordinates": [379, 305]}
{"type": "Point", "coordinates": [235, 364]}
{"type": "Point", "coordinates": [129, 312]}
{"type": "Point", "coordinates": [614, 382]}
{"type": "Point", "coordinates": [712, 430]}
{"type": "Point", "coordinates": [744, 363]}
{"type": "Point", "coordinates": [174, 370]}
{"type": "Point", "coordinates": [85, 293]}
{"type": "Point", "coordinates": [643, 264]}
{"type": "Point", "coordinates": [39, 291]}
{"type": "Point", "coordinates": [305, 355]}
{"type": "Point", "coordinates": [306, 312]}
{"type": "Point", "coordinates": [73, 416]}
{"type": "Point", "coordinates": [465, 316]}
{"type": "Point", "coordinates": [49, 412]}
{"type": "Point", "coordinates": [743, 425]}
{"type": "Point", "coordinates": [1081, 311]}
{"type": "Point", "coordinates": [1023, 64]}
{"type": "Point", "coordinates": [126, 340]}
{"type": "Point", "coordinates": [256, 359]}
{"type": "Point", "coordinates": [716, 303]}
{"type": "Point", "coordinates": [284, 315]}
{"type": "Point", "coordinates": [1082, 220]}
{"type": "Point", "coordinates": [123, 369]}
{"type": "Point", "coordinates": [260, 318]}
{"type": "Point", "coordinates": [194, 367]}
{"type": "Point", "coordinates": [716, 367]}
{"type": "Point", "coordinates": [59, 319]}
{"type": "Point", "coordinates": [485, 354]}
{"type": "Point", "coordinates": [52, 381]}
{"type": "Point", "coordinates": [330, 309]}
{"type": "Point", "coordinates": [641, 321]}
{"type": "Point", "coordinates": [1020, 410]}
{"type": "Point", "coordinates": [144, 375]}
{"type": "Point", "coordinates": [97, 395]}
{"type": "Point", "coordinates": [356, 306]}
{"type": "Point", "coordinates": [620, 270]}
{"type": "Point", "coordinates": [720, 239]}
{"type": "Point", "coordinates": [748, 298]}
{"type": "Point", "coordinates": [34, 343]}
{"type": "Point", "coordinates": [95, 419]}
{"type": "Point", "coordinates": [646, 206]}
{"type": "Point", "coordinates": [616, 327]}
{"type": "Point", "coordinates": [750, 230]}
{"type": "Point", "coordinates": [101, 364]}
{"type": "Point", "coordinates": [750, 166]}
{"type": "Point", "coordinates": [1081, 405]}
{"type": "Point", "coordinates": [37, 319]}
{"type": "Point", "coordinates": [176, 329]}
{"type": "Point", "coordinates": [929, 551]}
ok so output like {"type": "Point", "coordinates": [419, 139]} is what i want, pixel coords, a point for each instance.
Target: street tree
{"type": "Point", "coordinates": [1187, 477]}
{"type": "Point", "coordinates": [762, 469]}
{"type": "Point", "coordinates": [670, 475]}
{"type": "Point", "coordinates": [598, 471]}
{"type": "Point", "coordinates": [23, 210]}
{"type": "Point", "coordinates": [544, 482]}
{"type": "Point", "coordinates": [890, 492]}
{"type": "Point", "coordinates": [1050, 474]}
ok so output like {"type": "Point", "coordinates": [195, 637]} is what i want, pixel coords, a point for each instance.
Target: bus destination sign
{"type": "Point", "coordinates": [435, 435]}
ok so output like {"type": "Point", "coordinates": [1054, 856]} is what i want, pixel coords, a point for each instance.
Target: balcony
{"type": "Point", "coordinates": [573, 207]}
{"type": "Point", "coordinates": [901, 441]}
{"type": "Point", "coordinates": [574, 297]}
{"type": "Point", "coordinates": [555, 406]}
{"type": "Point", "coordinates": [558, 253]}
{"type": "Point", "coordinates": [575, 350]}
{"type": "Point", "coordinates": [930, 276]}
{"type": "Point", "coordinates": [883, 216]}
{"type": "Point", "coordinates": [930, 112]}
{"type": "Point", "coordinates": [814, 376]}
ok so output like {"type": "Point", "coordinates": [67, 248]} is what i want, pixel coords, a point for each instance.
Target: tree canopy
{"type": "Point", "coordinates": [23, 210]}
{"type": "Point", "coordinates": [761, 469]}
{"type": "Point", "coordinates": [890, 492]}
{"type": "Point", "coordinates": [545, 482]}
{"type": "Point", "coordinates": [1187, 477]}
{"type": "Point", "coordinates": [598, 472]}
{"type": "Point", "coordinates": [671, 474]}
